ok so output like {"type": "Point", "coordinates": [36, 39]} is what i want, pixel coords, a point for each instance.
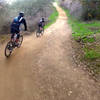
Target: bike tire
{"type": "Point", "coordinates": [42, 33]}
{"type": "Point", "coordinates": [9, 48]}
{"type": "Point", "coordinates": [37, 34]}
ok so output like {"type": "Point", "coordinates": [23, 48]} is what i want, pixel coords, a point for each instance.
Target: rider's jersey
{"type": "Point", "coordinates": [17, 22]}
{"type": "Point", "coordinates": [41, 23]}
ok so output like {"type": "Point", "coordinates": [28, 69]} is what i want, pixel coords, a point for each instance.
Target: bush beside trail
{"type": "Point", "coordinates": [86, 43]}
{"type": "Point", "coordinates": [82, 9]}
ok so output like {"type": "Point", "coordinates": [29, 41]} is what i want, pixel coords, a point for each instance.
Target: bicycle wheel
{"type": "Point", "coordinates": [38, 33]}
{"type": "Point", "coordinates": [8, 49]}
{"type": "Point", "coordinates": [20, 41]}
{"type": "Point", "coordinates": [42, 32]}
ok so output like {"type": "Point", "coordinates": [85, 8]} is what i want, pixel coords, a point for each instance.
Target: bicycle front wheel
{"type": "Point", "coordinates": [38, 34]}
{"type": "Point", "coordinates": [8, 49]}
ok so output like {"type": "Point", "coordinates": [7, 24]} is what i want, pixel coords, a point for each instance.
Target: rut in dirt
{"type": "Point", "coordinates": [43, 68]}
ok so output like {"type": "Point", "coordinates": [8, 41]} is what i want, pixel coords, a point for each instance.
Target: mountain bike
{"type": "Point", "coordinates": [11, 45]}
{"type": "Point", "coordinates": [40, 32]}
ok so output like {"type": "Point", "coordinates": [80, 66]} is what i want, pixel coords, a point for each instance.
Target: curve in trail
{"type": "Point", "coordinates": [43, 69]}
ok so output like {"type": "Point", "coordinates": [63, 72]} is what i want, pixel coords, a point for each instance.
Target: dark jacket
{"type": "Point", "coordinates": [41, 23]}
{"type": "Point", "coordinates": [15, 26]}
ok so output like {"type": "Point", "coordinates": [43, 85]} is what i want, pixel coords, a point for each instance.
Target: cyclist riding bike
{"type": "Point", "coordinates": [15, 26]}
{"type": "Point", "coordinates": [41, 24]}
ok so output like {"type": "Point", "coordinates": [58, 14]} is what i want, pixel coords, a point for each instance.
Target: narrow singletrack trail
{"type": "Point", "coordinates": [43, 68]}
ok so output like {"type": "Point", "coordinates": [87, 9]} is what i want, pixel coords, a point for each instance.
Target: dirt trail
{"type": "Point", "coordinates": [43, 69]}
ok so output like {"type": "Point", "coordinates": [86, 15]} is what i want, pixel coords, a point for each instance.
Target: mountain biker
{"type": "Point", "coordinates": [41, 24]}
{"type": "Point", "coordinates": [15, 26]}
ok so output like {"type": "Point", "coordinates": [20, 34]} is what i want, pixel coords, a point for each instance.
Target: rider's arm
{"type": "Point", "coordinates": [25, 24]}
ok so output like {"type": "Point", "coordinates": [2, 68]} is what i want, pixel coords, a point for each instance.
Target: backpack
{"type": "Point", "coordinates": [16, 22]}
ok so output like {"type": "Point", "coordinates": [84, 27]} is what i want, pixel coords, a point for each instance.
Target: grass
{"type": "Point", "coordinates": [90, 40]}
{"type": "Point", "coordinates": [81, 28]}
{"type": "Point", "coordinates": [52, 18]}
{"type": "Point", "coordinates": [91, 54]}
{"type": "Point", "coordinates": [85, 31]}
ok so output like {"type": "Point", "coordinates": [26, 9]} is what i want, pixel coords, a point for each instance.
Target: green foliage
{"type": "Point", "coordinates": [90, 40]}
{"type": "Point", "coordinates": [82, 29]}
{"type": "Point", "coordinates": [91, 54]}
{"type": "Point", "coordinates": [83, 32]}
{"type": "Point", "coordinates": [52, 18]}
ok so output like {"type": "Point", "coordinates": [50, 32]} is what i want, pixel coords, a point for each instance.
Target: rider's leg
{"type": "Point", "coordinates": [13, 32]}
{"type": "Point", "coordinates": [12, 37]}
{"type": "Point", "coordinates": [38, 28]}
{"type": "Point", "coordinates": [18, 36]}
{"type": "Point", "coordinates": [42, 30]}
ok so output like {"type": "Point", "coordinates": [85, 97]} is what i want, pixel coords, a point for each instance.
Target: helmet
{"type": "Point", "coordinates": [42, 19]}
{"type": "Point", "coordinates": [21, 14]}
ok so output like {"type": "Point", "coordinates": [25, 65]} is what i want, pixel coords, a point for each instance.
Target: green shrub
{"type": "Point", "coordinates": [81, 28]}
{"type": "Point", "coordinates": [52, 18]}
{"type": "Point", "coordinates": [91, 54]}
